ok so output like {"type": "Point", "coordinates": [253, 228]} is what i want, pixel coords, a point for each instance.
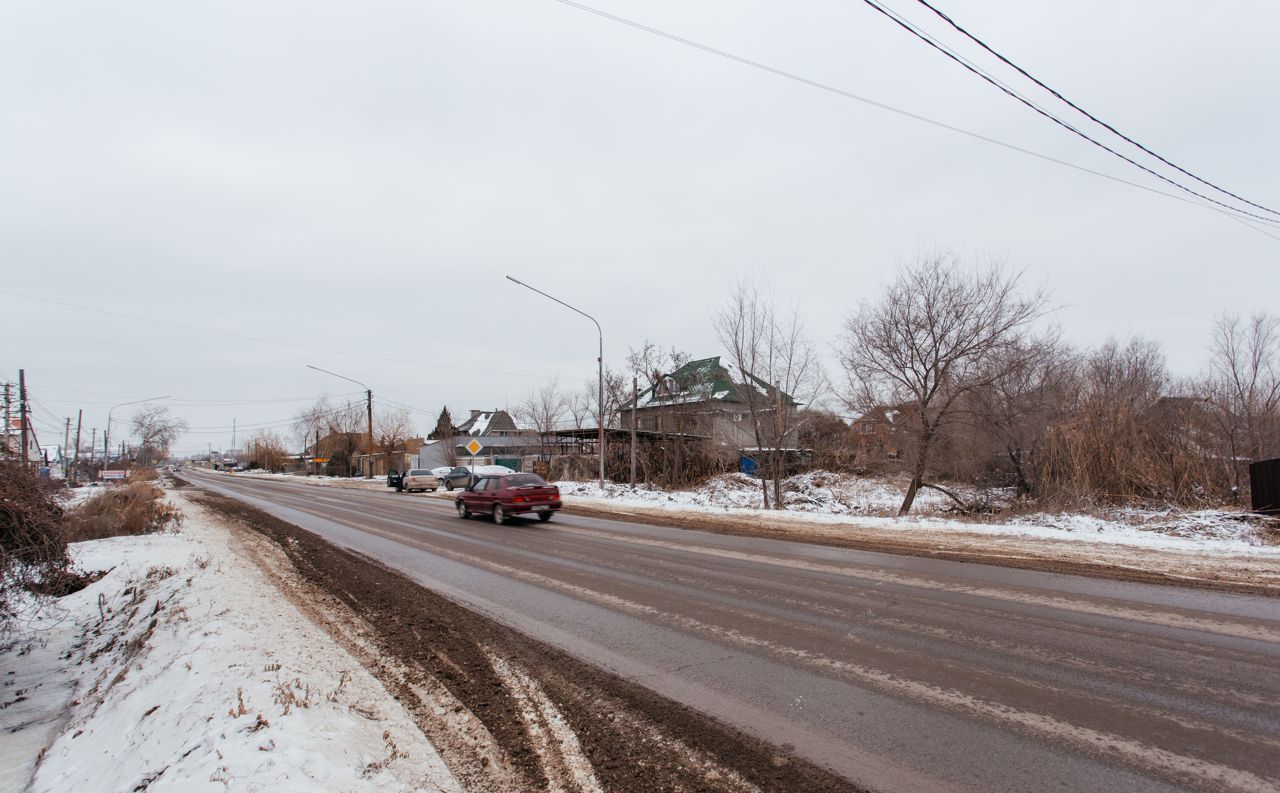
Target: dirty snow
{"type": "Point", "coordinates": [184, 669]}
{"type": "Point", "coordinates": [829, 498]}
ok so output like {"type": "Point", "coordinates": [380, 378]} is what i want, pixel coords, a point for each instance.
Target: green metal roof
{"type": "Point", "coordinates": [703, 380]}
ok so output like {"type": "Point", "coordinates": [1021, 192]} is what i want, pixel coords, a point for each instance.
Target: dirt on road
{"type": "Point", "coordinates": [506, 712]}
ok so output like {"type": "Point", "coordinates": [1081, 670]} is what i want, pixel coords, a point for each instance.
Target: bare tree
{"type": "Point", "coordinates": [1244, 385]}
{"type": "Point", "coordinates": [267, 450]}
{"type": "Point", "coordinates": [936, 334]}
{"type": "Point", "coordinates": [677, 459]}
{"type": "Point", "coordinates": [391, 428]}
{"type": "Point", "coordinates": [778, 364]}
{"type": "Point", "coordinates": [1031, 388]}
{"type": "Point", "coordinates": [542, 411]}
{"type": "Point", "coordinates": [322, 418]}
{"type": "Point", "coordinates": [579, 406]}
{"type": "Point", "coordinates": [156, 431]}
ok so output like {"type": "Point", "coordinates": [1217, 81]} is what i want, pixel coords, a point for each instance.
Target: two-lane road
{"type": "Point", "coordinates": [900, 673]}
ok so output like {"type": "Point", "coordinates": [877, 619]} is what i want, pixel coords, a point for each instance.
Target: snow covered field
{"type": "Point", "coordinates": [184, 669]}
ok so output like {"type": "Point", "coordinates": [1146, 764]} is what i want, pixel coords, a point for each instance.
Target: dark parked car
{"type": "Point", "coordinates": [394, 479]}
{"type": "Point", "coordinates": [461, 475]}
{"type": "Point", "coordinates": [458, 476]}
{"type": "Point", "coordinates": [504, 496]}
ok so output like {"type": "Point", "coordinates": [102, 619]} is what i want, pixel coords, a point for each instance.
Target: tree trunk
{"type": "Point", "coordinates": [922, 457]}
{"type": "Point", "coordinates": [1022, 485]}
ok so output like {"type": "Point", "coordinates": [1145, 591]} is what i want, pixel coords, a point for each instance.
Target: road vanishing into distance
{"type": "Point", "coordinates": [899, 673]}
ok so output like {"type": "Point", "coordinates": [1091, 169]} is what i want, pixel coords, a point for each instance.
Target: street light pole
{"type": "Point", "coordinates": [106, 447]}
{"type": "Point", "coordinates": [600, 372]}
{"type": "Point", "coordinates": [368, 393]}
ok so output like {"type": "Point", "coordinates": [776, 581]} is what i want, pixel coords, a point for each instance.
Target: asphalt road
{"type": "Point", "coordinates": [900, 673]}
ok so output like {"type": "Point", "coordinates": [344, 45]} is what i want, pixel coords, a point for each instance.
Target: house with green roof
{"type": "Point", "coordinates": [702, 398]}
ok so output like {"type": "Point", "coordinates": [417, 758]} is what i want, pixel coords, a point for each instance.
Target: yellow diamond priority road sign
{"type": "Point", "coordinates": [474, 446]}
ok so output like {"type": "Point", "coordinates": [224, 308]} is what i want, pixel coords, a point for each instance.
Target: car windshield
{"type": "Point", "coordinates": [416, 472]}
{"type": "Point", "coordinates": [525, 480]}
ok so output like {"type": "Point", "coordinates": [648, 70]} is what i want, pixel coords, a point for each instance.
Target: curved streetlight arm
{"type": "Point", "coordinates": [599, 363]}
{"type": "Point", "coordinates": [335, 374]}
{"type": "Point", "coordinates": [561, 302]}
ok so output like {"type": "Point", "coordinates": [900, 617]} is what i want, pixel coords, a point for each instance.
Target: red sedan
{"type": "Point", "coordinates": [512, 494]}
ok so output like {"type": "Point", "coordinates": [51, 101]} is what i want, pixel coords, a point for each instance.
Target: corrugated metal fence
{"type": "Point", "coordinates": [1264, 483]}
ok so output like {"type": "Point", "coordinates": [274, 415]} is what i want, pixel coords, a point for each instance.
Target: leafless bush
{"type": "Point", "coordinates": [33, 552]}
{"type": "Point", "coordinates": [134, 508]}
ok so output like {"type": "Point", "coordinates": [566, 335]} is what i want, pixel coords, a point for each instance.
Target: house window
{"type": "Point", "coordinates": [737, 417]}
{"type": "Point", "coordinates": [868, 428]}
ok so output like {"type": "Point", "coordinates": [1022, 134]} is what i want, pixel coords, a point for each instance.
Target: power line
{"type": "Point", "coordinates": [913, 30]}
{"type": "Point", "coordinates": [1086, 113]}
{"type": "Point", "coordinates": [896, 110]}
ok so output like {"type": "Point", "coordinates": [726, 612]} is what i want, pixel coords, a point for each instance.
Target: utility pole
{"type": "Point", "coordinates": [66, 441]}
{"type": "Point", "coordinates": [635, 398]}
{"type": "Point", "coordinates": [22, 410]}
{"type": "Point", "coordinates": [233, 434]}
{"type": "Point", "coordinates": [93, 447]}
{"type": "Point", "coordinates": [8, 425]}
{"type": "Point", "coordinates": [777, 452]}
{"type": "Point", "coordinates": [368, 474]}
{"type": "Point", "coordinates": [75, 465]}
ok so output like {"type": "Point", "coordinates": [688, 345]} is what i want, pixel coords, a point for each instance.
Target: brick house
{"type": "Point", "coordinates": [879, 433]}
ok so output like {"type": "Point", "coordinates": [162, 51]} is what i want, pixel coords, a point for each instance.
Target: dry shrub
{"type": "Point", "coordinates": [133, 508]}
{"type": "Point", "coordinates": [33, 553]}
{"type": "Point", "coordinates": [146, 474]}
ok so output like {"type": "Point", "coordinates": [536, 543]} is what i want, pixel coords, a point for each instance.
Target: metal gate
{"type": "Point", "coordinates": [1264, 484]}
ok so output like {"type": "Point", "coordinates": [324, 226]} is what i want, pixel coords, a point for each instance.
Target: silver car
{"type": "Point", "coordinates": [419, 479]}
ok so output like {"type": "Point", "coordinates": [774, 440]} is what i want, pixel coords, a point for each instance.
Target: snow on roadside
{"type": "Point", "coordinates": [350, 482]}
{"type": "Point", "coordinates": [826, 498]}
{"type": "Point", "coordinates": [190, 671]}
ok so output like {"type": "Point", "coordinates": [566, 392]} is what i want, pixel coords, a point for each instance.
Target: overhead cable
{"type": "Point", "coordinates": [1086, 113]}
{"type": "Point", "coordinates": [915, 31]}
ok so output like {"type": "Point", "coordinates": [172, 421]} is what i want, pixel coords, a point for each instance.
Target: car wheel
{"type": "Point", "coordinates": [448, 485]}
{"type": "Point", "coordinates": [463, 512]}
{"type": "Point", "coordinates": [433, 489]}
{"type": "Point", "coordinates": [544, 516]}
{"type": "Point", "coordinates": [499, 514]}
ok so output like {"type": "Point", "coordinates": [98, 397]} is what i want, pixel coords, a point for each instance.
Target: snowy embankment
{"type": "Point", "coordinates": [824, 499]}
{"type": "Point", "coordinates": [183, 668]}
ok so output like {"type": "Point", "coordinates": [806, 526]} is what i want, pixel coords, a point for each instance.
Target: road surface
{"type": "Point", "coordinates": [899, 673]}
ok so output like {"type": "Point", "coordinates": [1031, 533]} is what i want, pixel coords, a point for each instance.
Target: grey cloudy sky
{"type": "Point", "coordinates": [358, 177]}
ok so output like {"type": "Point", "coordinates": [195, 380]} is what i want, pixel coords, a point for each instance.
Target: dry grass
{"type": "Point", "coordinates": [134, 508]}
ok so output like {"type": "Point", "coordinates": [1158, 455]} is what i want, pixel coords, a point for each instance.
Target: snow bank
{"type": "Point", "coordinates": [189, 671]}
{"type": "Point", "coordinates": [821, 497]}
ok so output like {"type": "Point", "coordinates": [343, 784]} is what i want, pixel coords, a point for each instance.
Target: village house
{"type": "Point", "coordinates": [703, 399]}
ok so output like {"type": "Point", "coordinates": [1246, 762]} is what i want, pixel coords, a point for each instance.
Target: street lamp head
{"type": "Point", "coordinates": [516, 281]}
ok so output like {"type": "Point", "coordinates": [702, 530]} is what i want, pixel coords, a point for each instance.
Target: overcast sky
{"type": "Point", "coordinates": [357, 178]}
